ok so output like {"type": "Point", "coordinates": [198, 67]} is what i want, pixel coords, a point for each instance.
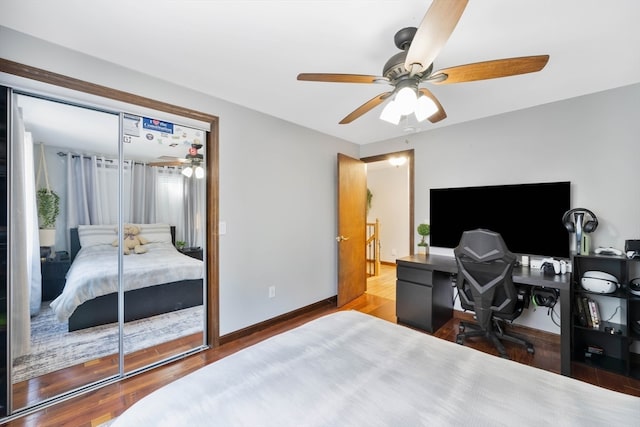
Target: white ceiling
{"type": "Point", "coordinates": [78, 130]}
{"type": "Point", "coordinates": [250, 52]}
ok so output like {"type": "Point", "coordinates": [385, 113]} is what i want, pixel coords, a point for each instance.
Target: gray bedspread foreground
{"type": "Point", "coordinates": [352, 369]}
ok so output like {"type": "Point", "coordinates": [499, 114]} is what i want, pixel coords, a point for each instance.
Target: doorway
{"type": "Point", "coordinates": [390, 179]}
{"type": "Point", "coordinates": [359, 258]}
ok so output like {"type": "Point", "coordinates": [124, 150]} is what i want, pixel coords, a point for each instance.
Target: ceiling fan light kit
{"type": "Point", "coordinates": [407, 102]}
{"type": "Point", "coordinates": [391, 113]}
{"type": "Point", "coordinates": [406, 99]}
{"type": "Point", "coordinates": [191, 164]}
{"type": "Point", "coordinates": [187, 172]}
{"type": "Point", "coordinates": [425, 108]}
{"type": "Point", "coordinates": [191, 170]}
{"type": "Point", "coordinates": [406, 70]}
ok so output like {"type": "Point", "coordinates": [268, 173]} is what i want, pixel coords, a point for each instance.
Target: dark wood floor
{"type": "Point", "coordinates": [108, 402]}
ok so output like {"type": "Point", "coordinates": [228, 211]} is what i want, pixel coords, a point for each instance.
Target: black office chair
{"type": "Point", "coordinates": [485, 286]}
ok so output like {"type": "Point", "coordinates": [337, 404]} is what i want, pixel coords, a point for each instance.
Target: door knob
{"type": "Point", "coordinates": [341, 238]}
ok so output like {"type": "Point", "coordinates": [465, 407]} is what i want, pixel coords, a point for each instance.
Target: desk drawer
{"type": "Point", "coordinates": [413, 305]}
{"type": "Point", "coordinates": [415, 275]}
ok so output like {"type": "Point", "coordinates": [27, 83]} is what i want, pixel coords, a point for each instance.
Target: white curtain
{"type": "Point", "coordinates": [139, 186]}
{"type": "Point", "coordinates": [170, 200]}
{"type": "Point", "coordinates": [152, 194]}
{"type": "Point", "coordinates": [25, 248]}
{"type": "Point", "coordinates": [196, 211]}
{"type": "Point", "coordinates": [172, 190]}
{"type": "Point", "coordinates": [92, 190]}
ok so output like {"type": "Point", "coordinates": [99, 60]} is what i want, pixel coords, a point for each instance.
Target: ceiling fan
{"type": "Point", "coordinates": [193, 162]}
{"type": "Point", "coordinates": [192, 157]}
{"type": "Point", "coordinates": [406, 70]}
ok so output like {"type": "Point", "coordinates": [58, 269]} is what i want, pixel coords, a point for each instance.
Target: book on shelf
{"type": "Point", "coordinates": [582, 319]}
{"type": "Point", "coordinates": [587, 311]}
{"type": "Point", "coordinates": [595, 313]}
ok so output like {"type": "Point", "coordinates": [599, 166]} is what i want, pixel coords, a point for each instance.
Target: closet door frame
{"type": "Point", "coordinates": [212, 337]}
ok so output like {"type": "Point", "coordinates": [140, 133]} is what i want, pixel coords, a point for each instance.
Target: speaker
{"type": "Point", "coordinates": [544, 297]}
{"type": "Point", "coordinates": [632, 245]}
{"type": "Point", "coordinates": [587, 226]}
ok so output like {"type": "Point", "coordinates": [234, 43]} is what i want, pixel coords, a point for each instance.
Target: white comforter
{"type": "Point", "coordinates": [351, 369]}
{"type": "Point", "coordinates": [94, 272]}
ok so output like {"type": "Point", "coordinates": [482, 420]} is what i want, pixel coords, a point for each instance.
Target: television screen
{"type": "Point", "coordinates": [528, 216]}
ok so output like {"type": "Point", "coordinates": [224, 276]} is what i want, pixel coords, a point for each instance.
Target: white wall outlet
{"type": "Point", "coordinates": [272, 291]}
{"type": "Point", "coordinates": [394, 252]}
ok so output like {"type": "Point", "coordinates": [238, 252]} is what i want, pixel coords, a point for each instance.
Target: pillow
{"type": "Point", "coordinates": [156, 233]}
{"type": "Point", "coordinates": [92, 235]}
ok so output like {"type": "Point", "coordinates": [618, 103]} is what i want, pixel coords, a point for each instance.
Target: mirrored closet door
{"type": "Point", "coordinates": [107, 224]}
{"type": "Point", "coordinates": [54, 147]}
{"type": "Point", "coordinates": [163, 239]}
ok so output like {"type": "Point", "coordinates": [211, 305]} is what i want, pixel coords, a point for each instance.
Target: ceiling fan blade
{"type": "Point", "coordinates": [341, 78]}
{"type": "Point", "coordinates": [167, 163]}
{"type": "Point", "coordinates": [490, 69]}
{"type": "Point", "coordinates": [432, 34]}
{"type": "Point", "coordinates": [438, 115]}
{"type": "Point", "coordinates": [367, 106]}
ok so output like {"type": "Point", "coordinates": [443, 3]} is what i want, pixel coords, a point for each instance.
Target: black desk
{"type": "Point", "coordinates": [424, 295]}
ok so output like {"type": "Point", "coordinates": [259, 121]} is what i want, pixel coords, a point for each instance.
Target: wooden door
{"type": "Point", "coordinates": [352, 194]}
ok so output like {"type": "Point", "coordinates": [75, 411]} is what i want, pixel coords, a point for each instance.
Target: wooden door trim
{"type": "Point", "coordinates": [409, 154]}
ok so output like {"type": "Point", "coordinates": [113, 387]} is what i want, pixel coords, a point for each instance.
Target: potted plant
{"type": "Point", "coordinates": [48, 210]}
{"type": "Point", "coordinates": [180, 244]}
{"type": "Point", "coordinates": [423, 230]}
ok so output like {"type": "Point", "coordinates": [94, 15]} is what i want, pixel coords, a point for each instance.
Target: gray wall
{"type": "Point", "coordinates": [277, 189]}
{"type": "Point", "coordinates": [592, 141]}
{"type": "Point", "coordinates": [390, 205]}
{"type": "Point", "coordinates": [281, 223]}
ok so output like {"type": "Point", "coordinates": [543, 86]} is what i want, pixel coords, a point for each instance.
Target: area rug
{"type": "Point", "coordinates": [54, 348]}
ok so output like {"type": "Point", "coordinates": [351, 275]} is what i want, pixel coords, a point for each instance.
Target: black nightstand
{"type": "Point", "coordinates": [192, 252]}
{"type": "Point", "coordinates": [53, 277]}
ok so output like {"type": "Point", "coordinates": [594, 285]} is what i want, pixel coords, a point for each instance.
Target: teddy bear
{"type": "Point", "coordinates": [132, 240]}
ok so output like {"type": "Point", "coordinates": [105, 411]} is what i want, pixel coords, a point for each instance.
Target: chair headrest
{"type": "Point", "coordinates": [483, 246]}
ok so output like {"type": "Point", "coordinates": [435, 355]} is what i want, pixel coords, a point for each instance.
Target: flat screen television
{"type": "Point", "coordinates": [528, 216]}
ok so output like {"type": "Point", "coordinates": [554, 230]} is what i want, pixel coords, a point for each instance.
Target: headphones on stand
{"type": "Point", "coordinates": [580, 225]}
{"type": "Point", "coordinates": [545, 297]}
{"type": "Point", "coordinates": [588, 226]}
